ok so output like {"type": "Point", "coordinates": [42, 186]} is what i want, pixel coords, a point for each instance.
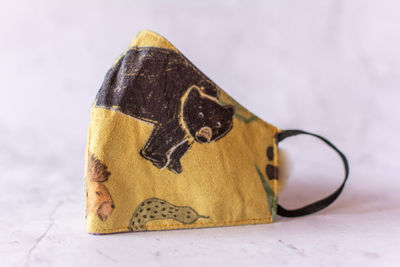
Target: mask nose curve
{"type": "Point", "coordinates": [204, 134]}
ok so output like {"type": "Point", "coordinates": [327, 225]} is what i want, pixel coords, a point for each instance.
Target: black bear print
{"type": "Point", "coordinates": [161, 87]}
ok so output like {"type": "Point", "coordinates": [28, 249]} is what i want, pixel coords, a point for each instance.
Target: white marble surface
{"type": "Point", "coordinates": [332, 67]}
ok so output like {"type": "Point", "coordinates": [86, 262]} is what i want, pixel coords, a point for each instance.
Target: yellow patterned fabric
{"type": "Point", "coordinates": [169, 149]}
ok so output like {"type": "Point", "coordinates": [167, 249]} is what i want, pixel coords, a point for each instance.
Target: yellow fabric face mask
{"type": "Point", "coordinates": [168, 149]}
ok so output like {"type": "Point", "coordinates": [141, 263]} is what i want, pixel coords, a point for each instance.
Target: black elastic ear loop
{"type": "Point", "coordinates": [323, 203]}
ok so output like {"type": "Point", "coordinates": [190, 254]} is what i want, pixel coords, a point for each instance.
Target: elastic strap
{"type": "Point", "coordinates": [323, 203]}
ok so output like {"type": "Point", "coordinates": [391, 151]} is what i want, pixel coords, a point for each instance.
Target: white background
{"type": "Point", "coordinates": [330, 67]}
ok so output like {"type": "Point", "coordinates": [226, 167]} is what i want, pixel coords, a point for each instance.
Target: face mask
{"type": "Point", "coordinates": [168, 149]}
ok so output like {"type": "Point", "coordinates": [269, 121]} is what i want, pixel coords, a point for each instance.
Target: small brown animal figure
{"type": "Point", "coordinates": [98, 198]}
{"type": "Point", "coordinates": [158, 209]}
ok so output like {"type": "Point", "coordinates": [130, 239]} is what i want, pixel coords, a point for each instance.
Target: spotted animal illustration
{"type": "Point", "coordinates": [160, 86]}
{"type": "Point", "coordinates": [98, 198]}
{"type": "Point", "coordinates": [271, 170]}
{"type": "Point", "coordinates": [158, 209]}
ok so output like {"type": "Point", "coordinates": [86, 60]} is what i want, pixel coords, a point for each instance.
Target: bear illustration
{"type": "Point", "coordinates": [161, 87]}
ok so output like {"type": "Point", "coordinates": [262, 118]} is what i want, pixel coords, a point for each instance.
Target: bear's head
{"type": "Point", "coordinates": [206, 119]}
